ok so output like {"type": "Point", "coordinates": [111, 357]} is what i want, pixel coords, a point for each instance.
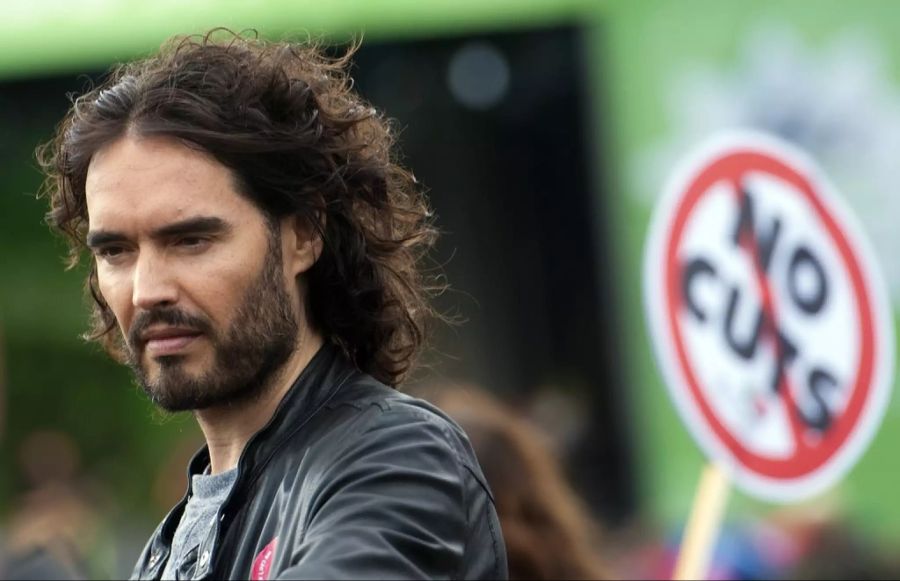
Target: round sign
{"type": "Point", "coordinates": [768, 316]}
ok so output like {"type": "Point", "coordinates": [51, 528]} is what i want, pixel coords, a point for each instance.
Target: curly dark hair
{"type": "Point", "coordinates": [284, 118]}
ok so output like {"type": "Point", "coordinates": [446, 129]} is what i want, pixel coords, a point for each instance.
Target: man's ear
{"type": "Point", "coordinates": [303, 242]}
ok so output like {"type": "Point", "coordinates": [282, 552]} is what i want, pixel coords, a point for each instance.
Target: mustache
{"type": "Point", "coordinates": [165, 316]}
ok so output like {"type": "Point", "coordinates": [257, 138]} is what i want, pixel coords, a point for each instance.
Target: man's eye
{"type": "Point", "coordinates": [110, 252]}
{"type": "Point", "coordinates": [192, 242]}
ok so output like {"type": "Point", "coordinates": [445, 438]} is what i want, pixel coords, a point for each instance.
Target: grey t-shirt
{"type": "Point", "coordinates": [208, 494]}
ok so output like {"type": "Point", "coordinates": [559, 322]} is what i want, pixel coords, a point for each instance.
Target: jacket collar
{"type": "Point", "coordinates": [317, 384]}
{"type": "Point", "coordinates": [319, 381]}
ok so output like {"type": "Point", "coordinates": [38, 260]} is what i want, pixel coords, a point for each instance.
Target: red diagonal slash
{"type": "Point", "coordinates": [749, 242]}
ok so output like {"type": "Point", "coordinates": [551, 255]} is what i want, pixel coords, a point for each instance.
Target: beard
{"type": "Point", "coordinates": [260, 339]}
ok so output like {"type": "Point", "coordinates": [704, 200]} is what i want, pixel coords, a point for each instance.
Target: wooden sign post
{"type": "Point", "coordinates": [699, 539]}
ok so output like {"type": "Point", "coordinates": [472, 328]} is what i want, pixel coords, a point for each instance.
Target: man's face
{"type": "Point", "coordinates": [191, 270]}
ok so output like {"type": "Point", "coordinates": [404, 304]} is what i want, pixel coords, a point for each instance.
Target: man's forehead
{"type": "Point", "coordinates": [154, 209]}
{"type": "Point", "coordinates": [161, 178]}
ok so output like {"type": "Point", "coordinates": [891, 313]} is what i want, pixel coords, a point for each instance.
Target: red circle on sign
{"type": "Point", "coordinates": [731, 167]}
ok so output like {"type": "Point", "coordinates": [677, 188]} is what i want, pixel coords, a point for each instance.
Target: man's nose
{"type": "Point", "coordinates": [154, 284]}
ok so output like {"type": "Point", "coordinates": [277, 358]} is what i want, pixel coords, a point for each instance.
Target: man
{"type": "Point", "coordinates": [255, 253]}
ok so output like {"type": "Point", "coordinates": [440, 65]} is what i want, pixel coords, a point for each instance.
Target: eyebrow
{"type": "Point", "coordinates": [191, 226]}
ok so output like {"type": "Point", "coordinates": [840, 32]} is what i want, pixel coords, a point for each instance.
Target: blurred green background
{"type": "Point", "coordinates": [652, 79]}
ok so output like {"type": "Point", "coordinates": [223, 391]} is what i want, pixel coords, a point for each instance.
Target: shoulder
{"type": "Point", "coordinates": [374, 406]}
{"type": "Point", "coordinates": [364, 406]}
{"type": "Point", "coordinates": [366, 426]}
{"type": "Point", "coordinates": [380, 469]}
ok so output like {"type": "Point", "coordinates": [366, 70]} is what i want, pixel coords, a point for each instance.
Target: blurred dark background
{"type": "Point", "coordinates": [542, 130]}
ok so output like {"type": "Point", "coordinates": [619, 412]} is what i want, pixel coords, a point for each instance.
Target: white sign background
{"type": "Point", "coordinates": [727, 398]}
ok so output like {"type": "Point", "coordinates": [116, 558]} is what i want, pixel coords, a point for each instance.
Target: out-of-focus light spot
{"type": "Point", "coordinates": [478, 75]}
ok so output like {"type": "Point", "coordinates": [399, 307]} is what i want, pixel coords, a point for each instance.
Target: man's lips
{"type": "Point", "coordinates": [168, 341]}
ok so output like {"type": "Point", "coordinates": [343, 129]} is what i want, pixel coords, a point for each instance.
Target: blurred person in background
{"type": "Point", "coordinates": [256, 261]}
{"type": "Point", "coordinates": [548, 531]}
{"type": "Point", "coordinates": [824, 542]}
{"type": "Point", "coordinates": [50, 526]}
{"type": "Point", "coordinates": [837, 550]}
{"type": "Point", "coordinates": [55, 530]}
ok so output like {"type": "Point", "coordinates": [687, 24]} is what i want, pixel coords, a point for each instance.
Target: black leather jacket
{"type": "Point", "coordinates": [349, 479]}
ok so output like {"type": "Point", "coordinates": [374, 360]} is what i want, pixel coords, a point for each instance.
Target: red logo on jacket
{"type": "Point", "coordinates": [263, 562]}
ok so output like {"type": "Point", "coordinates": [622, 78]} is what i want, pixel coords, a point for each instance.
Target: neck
{"type": "Point", "coordinates": [228, 428]}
